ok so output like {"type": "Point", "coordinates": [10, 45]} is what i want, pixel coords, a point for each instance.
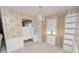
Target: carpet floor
{"type": "Point", "coordinates": [38, 47]}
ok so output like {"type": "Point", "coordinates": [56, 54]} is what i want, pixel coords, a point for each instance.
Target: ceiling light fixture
{"type": "Point", "coordinates": [39, 15]}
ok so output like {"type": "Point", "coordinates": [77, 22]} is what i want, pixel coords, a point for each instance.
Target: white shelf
{"type": "Point", "coordinates": [69, 31]}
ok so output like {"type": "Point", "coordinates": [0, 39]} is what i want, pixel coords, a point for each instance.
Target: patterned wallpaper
{"type": "Point", "coordinates": [12, 23]}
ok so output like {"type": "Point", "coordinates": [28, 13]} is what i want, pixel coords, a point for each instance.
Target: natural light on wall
{"type": "Point", "coordinates": [52, 33]}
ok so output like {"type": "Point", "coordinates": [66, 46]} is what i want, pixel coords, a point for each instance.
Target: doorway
{"type": "Point", "coordinates": [51, 31]}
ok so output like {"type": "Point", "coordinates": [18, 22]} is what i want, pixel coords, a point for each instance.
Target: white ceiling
{"type": "Point", "coordinates": [46, 10]}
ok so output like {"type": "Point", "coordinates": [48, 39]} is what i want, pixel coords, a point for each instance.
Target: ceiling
{"type": "Point", "coordinates": [45, 10]}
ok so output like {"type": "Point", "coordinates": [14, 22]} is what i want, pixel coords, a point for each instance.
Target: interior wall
{"type": "Point", "coordinates": [76, 40]}
{"type": "Point", "coordinates": [44, 29]}
{"type": "Point", "coordinates": [12, 26]}
{"type": "Point", "coordinates": [60, 31]}
{"type": "Point", "coordinates": [35, 24]}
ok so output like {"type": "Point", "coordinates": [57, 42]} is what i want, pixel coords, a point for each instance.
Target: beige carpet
{"type": "Point", "coordinates": [38, 47]}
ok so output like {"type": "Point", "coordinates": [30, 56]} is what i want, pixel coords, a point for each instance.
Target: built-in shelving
{"type": "Point", "coordinates": [69, 31]}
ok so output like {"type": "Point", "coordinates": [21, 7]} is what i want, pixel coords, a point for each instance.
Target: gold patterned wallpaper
{"type": "Point", "coordinates": [12, 23]}
{"type": "Point", "coordinates": [44, 29]}
{"type": "Point", "coordinates": [60, 31]}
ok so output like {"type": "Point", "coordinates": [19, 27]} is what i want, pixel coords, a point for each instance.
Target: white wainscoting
{"type": "Point", "coordinates": [14, 43]}
{"type": "Point", "coordinates": [37, 37]}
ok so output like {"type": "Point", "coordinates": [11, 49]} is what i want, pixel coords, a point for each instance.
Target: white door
{"type": "Point", "coordinates": [51, 31]}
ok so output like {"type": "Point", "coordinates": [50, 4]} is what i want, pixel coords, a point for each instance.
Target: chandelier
{"type": "Point", "coordinates": [39, 15]}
